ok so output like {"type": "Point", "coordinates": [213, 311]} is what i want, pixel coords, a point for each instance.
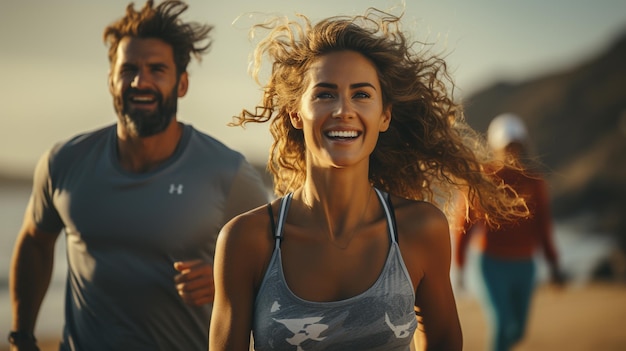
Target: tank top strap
{"type": "Point", "coordinates": [282, 215]}
{"type": "Point", "coordinates": [385, 201]}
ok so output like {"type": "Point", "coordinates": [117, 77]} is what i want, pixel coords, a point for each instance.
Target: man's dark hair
{"type": "Point", "coordinates": [163, 23]}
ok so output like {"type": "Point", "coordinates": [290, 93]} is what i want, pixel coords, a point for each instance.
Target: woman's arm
{"type": "Point", "coordinates": [428, 245]}
{"type": "Point", "coordinates": [241, 255]}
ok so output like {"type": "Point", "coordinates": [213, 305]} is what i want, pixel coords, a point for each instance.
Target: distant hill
{"type": "Point", "coordinates": [577, 123]}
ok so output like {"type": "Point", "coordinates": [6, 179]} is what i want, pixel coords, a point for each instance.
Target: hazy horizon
{"type": "Point", "coordinates": [54, 64]}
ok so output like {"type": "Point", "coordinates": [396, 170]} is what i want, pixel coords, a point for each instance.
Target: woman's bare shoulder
{"type": "Point", "coordinates": [420, 223]}
{"type": "Point", "coordinates": [247, 241]}
{"type": "Point", "coordinates": [252, 228]}
{"type": "Point", "coordinates": [423, 237]}
{"type": "Point", "coordinates": [422, 213]}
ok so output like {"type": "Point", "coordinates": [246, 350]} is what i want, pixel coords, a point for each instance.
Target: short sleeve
{"type": "Point", "coordinates": [247, 191]}
{"type": "Point", "coordinates": [41, 205]}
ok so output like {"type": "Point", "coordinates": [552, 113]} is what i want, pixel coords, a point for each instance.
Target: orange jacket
{"type": "Point", "coordinates": [515, 240]}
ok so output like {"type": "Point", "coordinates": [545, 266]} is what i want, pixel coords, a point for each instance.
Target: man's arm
{"type": "Point", "coordinates": [30, 274]}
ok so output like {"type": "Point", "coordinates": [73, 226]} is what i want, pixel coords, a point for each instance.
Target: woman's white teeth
{"type": "Point", "coordinates": [343, 134]}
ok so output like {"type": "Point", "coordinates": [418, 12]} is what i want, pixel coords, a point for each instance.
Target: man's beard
{"type": "Point", "coordinates": [145, 123]}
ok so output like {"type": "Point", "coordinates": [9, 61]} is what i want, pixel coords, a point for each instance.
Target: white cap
{"type": "Point", "coordinates": [505, 129]}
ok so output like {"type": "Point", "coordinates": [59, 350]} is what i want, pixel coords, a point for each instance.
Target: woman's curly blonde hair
{"type": "Point", "coordinates": [428, 152]}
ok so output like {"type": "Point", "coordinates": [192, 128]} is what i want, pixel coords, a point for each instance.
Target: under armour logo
{"type": "Point", "coordinates": [401, 331]}
{"type": "Point", "coordinates": [176, 188]}
{"type": "Point", "coordinates": [303, 329]}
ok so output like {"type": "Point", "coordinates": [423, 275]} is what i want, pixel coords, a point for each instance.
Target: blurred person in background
{"type": "Point", "coordinates": [505, 260]}
{"type": "Point", "coordinates": [141, 203]}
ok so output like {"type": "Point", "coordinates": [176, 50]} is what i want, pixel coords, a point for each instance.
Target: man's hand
{"type": "Point", "coordinates": [195, 282]}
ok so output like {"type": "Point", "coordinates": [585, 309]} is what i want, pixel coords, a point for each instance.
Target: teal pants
{"type": "Point", "coordinates": [505, 291]}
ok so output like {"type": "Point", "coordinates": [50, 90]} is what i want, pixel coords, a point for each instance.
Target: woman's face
{"type": "Point", "coordinates": [341, 111]}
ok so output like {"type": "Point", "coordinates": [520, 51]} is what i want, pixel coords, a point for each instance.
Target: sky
{"type": "Point", "coordinates": [53, 62]}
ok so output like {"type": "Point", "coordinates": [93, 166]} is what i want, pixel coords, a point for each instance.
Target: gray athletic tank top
{"type": "Point", "coordinates": [381, 318]}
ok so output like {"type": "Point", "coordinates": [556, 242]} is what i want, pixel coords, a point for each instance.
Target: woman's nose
{"type": "Point", "coordinates": [344, 109]}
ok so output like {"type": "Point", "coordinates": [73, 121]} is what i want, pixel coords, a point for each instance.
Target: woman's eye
{"type": "Point", "coordinates": [324, 95]}
{"type": "Point", "coordinates": [362, 95]}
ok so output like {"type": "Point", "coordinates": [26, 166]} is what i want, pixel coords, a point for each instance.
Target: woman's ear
{"type": "Point", "coordinates": [296, 121]}
{"type": "Point", "coordinates": [385, 120]}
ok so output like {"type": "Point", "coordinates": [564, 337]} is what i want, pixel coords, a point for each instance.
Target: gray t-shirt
{"type": "Point", "coordinates": [381, 318]}
{"type": "Point", "coordinates": [124, 231]}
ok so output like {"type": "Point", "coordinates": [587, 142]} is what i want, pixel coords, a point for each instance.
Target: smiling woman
{"type": "Point", "coordinates": [341, 111]}
{"type": "Point", "coordinates": [365, 134]}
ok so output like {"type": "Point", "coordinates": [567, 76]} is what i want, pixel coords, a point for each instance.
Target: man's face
{"type": "Point", "coordinates": [145, 86]}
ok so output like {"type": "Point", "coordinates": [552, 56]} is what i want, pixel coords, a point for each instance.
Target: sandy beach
{"type": "Point", "coordinates": [576, 318]}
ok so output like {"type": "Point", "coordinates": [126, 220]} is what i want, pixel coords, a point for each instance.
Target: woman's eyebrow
{"type": "Point", "coordinates": [352, 86]}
